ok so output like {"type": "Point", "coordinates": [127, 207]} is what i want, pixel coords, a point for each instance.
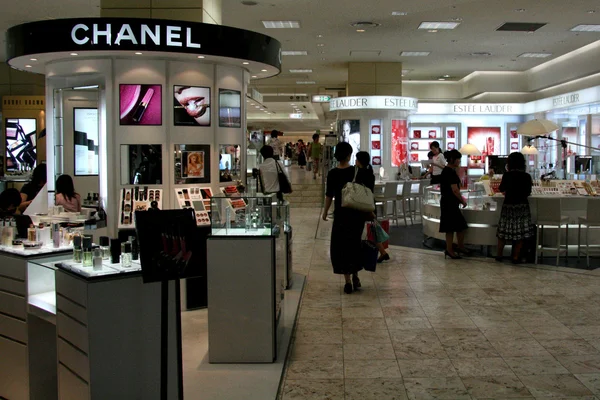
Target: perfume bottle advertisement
{"type": "Point", "coordinates": [399, 142]}
{"type": "Point", "coordinates": [487, 140]}
{"type": "Point", "coordinates": [85, 122]}
{"type": "Point", "coordinates": [140, 104]}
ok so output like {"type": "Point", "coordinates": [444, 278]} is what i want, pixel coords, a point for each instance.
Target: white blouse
{"type": "Point", "coordinates": [439, 162]}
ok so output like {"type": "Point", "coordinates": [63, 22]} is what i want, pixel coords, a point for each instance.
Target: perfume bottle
{"type": "Point", "coordinates": [115, 251]}
{"type": "Point", "coordinates": [87, 251]}
{"type": "Point", "coordinates": [56, 236]}
{"type": "Point", "coordinates": [126, 256]}
{"type": "Point", "coordinates": [31, 233]}
{"type": "Point", "coordinates": [97, 260]}
{"type": "Point", "coordinates": [77, 251]}
{"type": "Point", "coordinates": [135, 250]}
{"type": "Point", "coordinates": [105, 247]}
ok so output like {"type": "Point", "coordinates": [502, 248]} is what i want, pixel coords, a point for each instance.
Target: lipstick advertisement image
{"type": "Point", "coordinates": [140, 104]}
{"type": "Point", "coordinates": [191, 106]}
{"type": "Point", "coordinates": [230, 111]}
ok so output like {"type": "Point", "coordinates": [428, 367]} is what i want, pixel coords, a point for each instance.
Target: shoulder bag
{"type": "Point", "coordinates": [284, 184]}
{"type": "Point", "coordinates": [357, 196]}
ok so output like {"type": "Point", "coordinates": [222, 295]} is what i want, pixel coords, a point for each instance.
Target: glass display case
{"type": "Point", "coordinates": [475, 198]}
{"type": "Point", "coordinates": [247, 216]}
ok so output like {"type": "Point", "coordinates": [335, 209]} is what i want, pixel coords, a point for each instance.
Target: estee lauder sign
{"type": "Point", "coordinates": [373, 103]}
{"type": "Point", "coordinates": [483, 109]}
{"type": "Point", "coordinates": [137, 34]}
{"type": "Point", "coordinates": [565, 100]}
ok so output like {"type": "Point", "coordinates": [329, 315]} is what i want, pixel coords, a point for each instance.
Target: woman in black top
{"type": "Point", "coordinates": [348, 224]}
{"type": "Point", "coordinates": [452, 219]}
{"type": "Point", "coordinates": [33, 187]}
{"type": "Point", "coordinates": [515, 219]}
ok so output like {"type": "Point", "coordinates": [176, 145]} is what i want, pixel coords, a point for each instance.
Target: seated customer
{"type": "Point", "coordinates": [10, 200]}
{"type": "Point", "coordinates": [66, 195]}
{"type": "Point", "coordinates": [33, 187]}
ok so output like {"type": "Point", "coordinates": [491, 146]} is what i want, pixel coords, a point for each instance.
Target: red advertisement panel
{"type": "Point", "coordinates": [399, 142]}
{"type": "Point", "coordinates": [487, 140]}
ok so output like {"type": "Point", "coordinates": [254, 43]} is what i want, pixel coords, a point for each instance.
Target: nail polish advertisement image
{"type": "Point", "coordinates": [140, 104]}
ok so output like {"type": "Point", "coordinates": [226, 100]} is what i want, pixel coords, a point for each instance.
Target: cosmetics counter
{"type": "Point", "coordinates": [246, 286]}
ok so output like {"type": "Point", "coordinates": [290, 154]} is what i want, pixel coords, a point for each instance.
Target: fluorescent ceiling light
{"type": "Point", "coordinates": [281, 24]}
{"type": "Point", "coordinates": [305, 82]}
{"type": "Point", "coordinates": [85, 87]}
{"type": "Point", "coordinates": [396, 13]}
{"type": "Point", "coordinates": [439, 25]}
{"type": "Point", "coordinates": [200, 57]}
{"type": "Point", "coordinates": [415, 53]}
{"type": "Point", "coordinates": [301, 71]}
{"type": "Point", "coordinates": [285, 94]}
{"type": "Point", "coordinates": [294, 53]}
{"type": "Point", "coordinates": [586, 28]}
{"type": "Point", "coordinates": [535, 55]}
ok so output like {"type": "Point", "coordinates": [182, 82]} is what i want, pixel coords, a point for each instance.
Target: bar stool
{"type": "Point", "coordinates": [419, 196]}
{"type": "Point", "coordinates": [404, 196]}
{"type": "Point", "coordinates": [592, 219]}
{"type": "Point", "coordinates": [549, 213]}
{"type": "Point", "coordinates": [389, 196]}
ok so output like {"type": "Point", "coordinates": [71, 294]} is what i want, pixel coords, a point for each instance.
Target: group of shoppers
{"type": "Point", "coordinates": [13, 201]}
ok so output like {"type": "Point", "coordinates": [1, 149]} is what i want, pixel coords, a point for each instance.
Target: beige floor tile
{"type": "Point", "coordinates": [500, 333]}
{"type": "Point", "coordinates": [375, 389]}
{"type": "Point", "coordinates": [555, 386]}
{"type": "Point", "coordinates": [427, 368]}
{"type": "Point", "coordinates": [436, 388]}
{"type": "Point", "coordinates": [486, 387]}
{"type": "Point", "coordinates": [556, 333]}
{"type": "Point", "coordinates": [468, 367]}
{"type": "Point", "coordinates": [520, 348]}
{"type": "Point", "coordinates": [366, 336]}
{"type": "Point", "coordinates": [362, 312]}
{"type": "Point", "coordinates": [318, 336]}
{"type": "Point", "coordinates": [322, 352]}
{"type": "Point", "coordinates": [581, 364]}
{"type": "Point", "coordinates": [401, 323]}
{"type": "Point", "coordinates": [403, 312]}
{"type": "Point", "coordinates": [313, 389]}
{"type": "Point", "coordinates": [451, 322]}
{"type": "Point", "coordinates": [413, 335]}
{"type": "Point", "coordinates": [471, 349]}
{"type": "Point", "coordinates": [334, 322]}
{"type": "Point", "coordinates": [419, 350]}
{"type": "Point", "coordinates": [578, 347]}
{"type": "Point", "coordinates": [373, 369]}
{"type": "Point", "coordinates": [298, 370]}
{"type": "Point", "coordinates": [591, 381]}
{"type": "Point", "coordinates": [364, 323]}
{"type": "Point", "coordinates": [535, 366]}
{"type": "Point", "coordinates": [369, 352]}
{"type": "Point", "coordinates": [458, 335]}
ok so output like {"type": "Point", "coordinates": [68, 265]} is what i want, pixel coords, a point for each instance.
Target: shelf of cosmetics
{"type": "Point", "coordinates": [111, 257]}
{"type": "Point", "coordinates": [551, 187]}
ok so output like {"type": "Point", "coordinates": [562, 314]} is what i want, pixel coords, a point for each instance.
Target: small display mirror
{"type": "Point", "coordinates": [229, 162]}
{"type": "Point", "coordinates": [192, 163]}
{"type": "Point", "coordinates": [141, 164]}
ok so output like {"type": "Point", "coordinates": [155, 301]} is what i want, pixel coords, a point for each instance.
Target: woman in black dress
{"type": "Point", "coordinates": [301, 154]}
{"type": "Point", "coordinates": [452, 220]}
{"type": "Point", "coordinates": [348, 224]}
{"type": "Point", "coordinates": [515, 219]}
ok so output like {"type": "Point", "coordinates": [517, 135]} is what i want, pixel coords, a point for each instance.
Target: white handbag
{"type": "Point", "coordinates": [357, 196]}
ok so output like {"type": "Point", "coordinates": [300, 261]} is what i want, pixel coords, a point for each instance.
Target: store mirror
{"type": "Point", "coordinates": [141, 164]}
{"type": "Point", "coordinates": [192, 163]}
{"type": "Point", "coordinates": [229, 162]}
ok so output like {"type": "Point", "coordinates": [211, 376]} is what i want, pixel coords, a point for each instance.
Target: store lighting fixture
{"type": "Point", "coordinates": [432, 31]}
{"type": "Point", "coordinates": [446, 76]}
{"type": "Point", "coordinates": [28, 66]}
{"type": "Point", "coordinates": [294, 53]}
{"type": "Point", "coordinates": [415, 53]}
{"type": "Point", "coordinates": [200, 56]}
{"type": "Point", "coordinates": [591, 12]}
{"type": "Point", "coordinates": [535, 55]}
{"type": "Point", "coordinates": [301, 71]}
{"type": "Point", "coordinates": [246, 63]}
{"type": "Point", "coordinates": [137, 53]}
{"type": "Point", "coordinates": [85, 87]}
{"type": "Point", "coordinates": [305, 82]}
{"type": "Point", "coordinates": [319, 36]}
{"type": "Point", "coordinates": [399, 13]}
{"type": "Point", "coordinates": [281, 24]}
{"type": "Point", "coordinates": [254, 76]}
{"type": "Point", "coordinates": [263, 70]}
{"type": "Point", "coordinates": [33, 59]}
{"type": "Point", "coordinates": [529, 150]}
{"type": "Point", "coordinates": [320, 44]}
{"type": "Point", "coordinates": [74, 54]}
{"type": "Point", "coordinates": [439, 25]}
{"type": "Point", "coordinates": [441, 79]}
{"type": "Point", "coordinates": [586, 28]}
{"type": "Point", "coordinates": [360, 30]}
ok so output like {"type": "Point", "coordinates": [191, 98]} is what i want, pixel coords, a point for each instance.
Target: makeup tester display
{"type": "Point", "coordinates": [134, 199]}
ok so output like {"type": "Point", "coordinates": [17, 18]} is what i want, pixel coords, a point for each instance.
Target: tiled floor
{"type": "Point", "coordinates": [427, 328]}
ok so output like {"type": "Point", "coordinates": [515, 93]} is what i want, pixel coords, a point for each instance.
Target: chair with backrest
{"type": "Point", "coordinates": [404, 195]}
{"type": "Point", "coordinates": [549, 214]}
{"type": "Point", "coordinates": [389, 196]}
{"type": "Point", "coordinates": [591, 219]}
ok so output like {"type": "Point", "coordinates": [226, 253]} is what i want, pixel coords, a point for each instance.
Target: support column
{"type": "Point", "coordinates": [207, 11]}
{"type": "Point", "coordinates": [374, 79]}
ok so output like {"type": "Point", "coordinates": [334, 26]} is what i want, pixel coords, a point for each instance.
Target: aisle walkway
{"type": "Point", "coordinates": [426, 328]}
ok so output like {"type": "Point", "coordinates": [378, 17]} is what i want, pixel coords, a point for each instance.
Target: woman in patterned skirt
{"type": "Point", "coordinates": [515, 219]}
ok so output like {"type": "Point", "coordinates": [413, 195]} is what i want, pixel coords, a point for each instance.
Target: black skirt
{"type": "Point", "coordinates": [436, 179]}
{"type": "Point", "coordinates": [515, 222]}
{"type": "Point", "coordinates": [346, 235]}
{"type": "Point", "coordinates": [302, 159]}
{"type": "Point", "coordinates": [451, 219]}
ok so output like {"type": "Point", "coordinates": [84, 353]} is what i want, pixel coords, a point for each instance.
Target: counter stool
{"type": "Point", "coordinates": [592, 219]}
{"type": "Point", "coordinates": [420, 195]}
{"type": "Point", "coordinates": [404, 196]}
{"type": "Point", "coordinates": [549, 213]}
{"type": "Point", "coordinates": [389, 196]}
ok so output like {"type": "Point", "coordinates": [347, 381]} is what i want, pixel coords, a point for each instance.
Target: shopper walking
{"type": "Point", "coordinates": [438, 162]}
{"type": "Point", "coordinates": [276, 144]}
{"type": "Point", "coordinates": [363, 161]}
{"type": "Point", "coordinates": [66, 195]}
{"type": "Point", "coordinates": [269, 173]}
{"type": "Point", "coordinates": [515, 219]}
{"type": "Point", "coordinates": [451, 220]}
{"type": "Point", "coordinates": [314, 149]}
{"type": "Point", "coordinates": [301, 154]}
{"type": "Point", "coordinates": [348, 224]}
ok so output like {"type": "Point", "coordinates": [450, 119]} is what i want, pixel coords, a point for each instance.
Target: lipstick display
{"type": "Point", "coordinates": [141, 108]}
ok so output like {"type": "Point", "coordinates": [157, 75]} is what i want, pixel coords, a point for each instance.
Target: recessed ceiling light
{"type": "Point", "coordinates": [319, 36]}
{"type": "Point", "coordinates": [256, 107]}
{"type": "Point", "coordinates": [320, 45]}
{"type": "Point", "coordinates": [305, 82]}
{"type": "Point", "coordinates": [294, 53]}
{"type": "Point", "coordinates": [200, 56]}
{"type": "Point", "coordinates": [439, 25]}
{"type": "Point", "coordinates": [137, 53]}
{"type": "Point", "coordinates": [399, 13]}
{"type": "Point", "coordinates": [323, 59]}
{"type": "Point", "coordinates": [254, 76]}
{"type": "Point", "coordinates": [263, 70]}
{"type": "Point", "coordinates": [432, 30]}
{"type": "Point", "coordinates": [364, 24]}
{"type": "Point", "coordinates": [360, 30]}
{"type": "Point", "coordinates": [28, 66]}
{"type": "Point", "coordinates": [586, 28]}
{"type": "Point", "coordinates": [33, 59]}
{"type": "Point", "coordinates": [441, 79]}
{"type": "Point", "coordinates": [520, 10]}
{"type": "Point", "coordinates": [591, 12]}
{"type": "Point", "coordinates": [251, 104]}
{"type": "Point", "coordinates": [301, 71]}
{"type": "Point", "coordinates": [535, 55]}
{"type": "Point", "coordinates": [74, 54]}
{"type": "Point", "coordinates": [292, 104]}
{"type": "Point", "coordinates": [480, 54]}
{"type": "Point", "coordinates": [281, 24]}
{"type": "Point", "coordinates": [456, 19]}
{"type": "Point", "coordinates": [415, 53]}
{"type": "Point", "coordinates": [246, 63]}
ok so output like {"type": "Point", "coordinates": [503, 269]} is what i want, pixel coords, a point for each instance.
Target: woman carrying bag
{"type": "Point", "coordinates": [348, 221]}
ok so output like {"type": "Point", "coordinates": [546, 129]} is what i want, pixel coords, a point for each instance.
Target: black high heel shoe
{"type": "Point", "coordinates": [452, 256]}
{"type": "Point", "coordinates": [499, 258]}
{"type": "Point", "coordinates": [356, 283]}
{"type": "Point", "coordinates": [383, 257]}
{"type": "Point", "coordinates": [465, 251]}
{"type": "Point", "coordinates": [348, 288]}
